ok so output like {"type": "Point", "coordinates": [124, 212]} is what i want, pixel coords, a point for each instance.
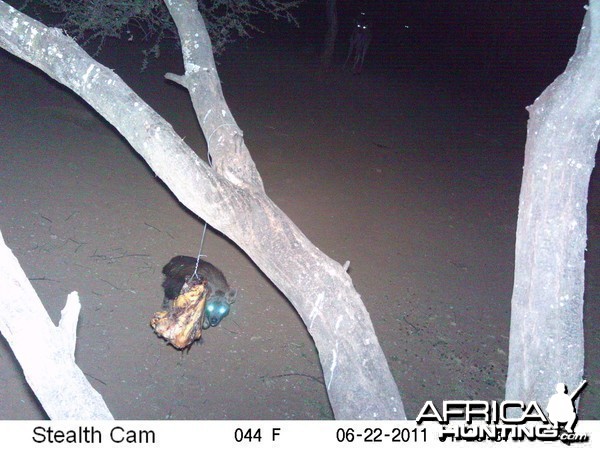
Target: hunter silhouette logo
{"type": "Point", "coordinates": [561, 408]}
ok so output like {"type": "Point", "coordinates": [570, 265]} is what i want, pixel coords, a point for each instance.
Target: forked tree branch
{"type": "Point", "coordinates": [46, 353]}
{"type": "Point", "coordinates": [231, 199]}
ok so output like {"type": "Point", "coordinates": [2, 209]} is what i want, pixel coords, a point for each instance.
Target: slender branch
{"type": "Point", "coordinates": [46, 353]}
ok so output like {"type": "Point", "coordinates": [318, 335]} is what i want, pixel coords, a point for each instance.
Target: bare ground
{"type": "Point", "coordinates": [412, 178]}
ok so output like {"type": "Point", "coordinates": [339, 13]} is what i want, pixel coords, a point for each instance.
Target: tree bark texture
{"type": "Point", "coordinates": [46, 353]}
{"type": "Point", "coordinates": [331, 35]}
{"type": "Point", "coordinates": [230, 197]}
{"type": "Point", "coordinates": [546, 334]}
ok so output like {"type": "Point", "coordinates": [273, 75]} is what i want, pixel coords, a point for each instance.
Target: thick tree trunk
{"type": "Point", "coordinates": [230, 198]}
{"type": "Point", "coordinates": [331, 35]}
{"type": "Point", "coordinates": [546, 335]}
{"type": "Point", "coordinates": [46, 353]}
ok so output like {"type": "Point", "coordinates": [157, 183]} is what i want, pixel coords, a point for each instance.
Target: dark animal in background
{"type": "Point", "coordinates": [359, 43]}
{"type": "Point", "coordinates": [220, 296]}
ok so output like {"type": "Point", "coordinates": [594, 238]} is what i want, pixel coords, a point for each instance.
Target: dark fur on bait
{"type": "Point", "coordinates": [220, 295]}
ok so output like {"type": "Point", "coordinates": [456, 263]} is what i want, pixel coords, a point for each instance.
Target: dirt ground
{"type": "Point", "coordinates": [412, 177]}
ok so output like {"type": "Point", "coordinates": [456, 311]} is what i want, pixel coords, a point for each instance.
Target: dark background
{"type": "Point", "coordinates": [522, 44]}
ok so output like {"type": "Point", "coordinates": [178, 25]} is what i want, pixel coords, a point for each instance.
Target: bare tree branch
{"type": "Point", "coordinates": [228, 152]}
{"type": "Point", "coordinates": [546, 335]}
{"type": "Point", "coordinates": [46, 353]}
